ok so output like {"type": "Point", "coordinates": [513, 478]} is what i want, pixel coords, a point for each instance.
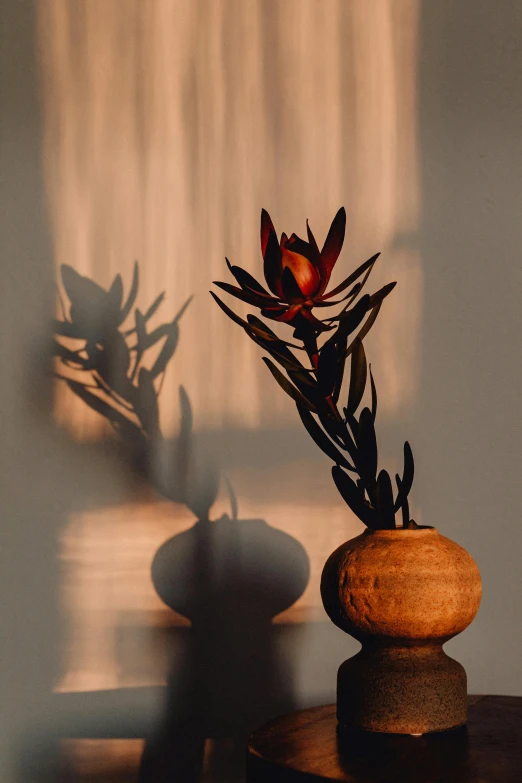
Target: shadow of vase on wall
{"type": "Point", "coordinates": [230, 578]}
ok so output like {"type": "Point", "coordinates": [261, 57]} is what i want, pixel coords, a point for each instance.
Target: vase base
{"type": "Point", "coordinates": [402, 690]}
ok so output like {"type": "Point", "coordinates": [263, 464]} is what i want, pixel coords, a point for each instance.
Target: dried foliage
{"type": "Point", "coordinates": [297, 274]}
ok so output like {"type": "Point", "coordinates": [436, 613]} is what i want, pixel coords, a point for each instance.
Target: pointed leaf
{"type": "Point", "coordinates": [267, 228]}
{"type": "Point", "coordinates": [246, 296]}
{"type": "Point", "coordinates": [361, 334]}
{"type": "Point", "coordinates": [381, 294]}
{"type": "Point", "coordinates": [350, 320]}
{"type": "Point", "coordinates": [358, 372]}
{"type": "Point", "coordinates": [231, 314]}
{"type": "Point", "coordinates": [321, 439]}
{"type": "Point", "coordinates": [334, 240]}
{"type": "Point", "coordinates": [374, 395]}
{"type": "Point", "coordinates": [245, 280]}
{"type": "Point", "coordinates": [407, 476]}
{"type": "Point", "coordinates": [285, 384]}
{"type": "Point", "coordinates": [405, 505]}
{"type": "Point", "coordinates": [367, 447]}
{"type": "Point", "coordinates": [327, 369]}
{"type": "Point", "coordinates": [368, 265]}
{"type": "Point", "coordinates": [353, 497]}
{"type": "Point", "coordinates": [272, 261]}
{"type": "Point", "coordinates": [384, 496]}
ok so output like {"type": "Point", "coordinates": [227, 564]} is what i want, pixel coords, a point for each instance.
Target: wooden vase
{"type": "Point", "coordinates": [402, 593]}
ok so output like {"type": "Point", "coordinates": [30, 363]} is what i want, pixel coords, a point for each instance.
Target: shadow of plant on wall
{"type": "Point", "coordinates": [229, 577]}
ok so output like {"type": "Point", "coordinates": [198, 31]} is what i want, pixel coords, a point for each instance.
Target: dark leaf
{"type": "Point", "coordinates": [353, 424]}
{"type": "Point", "coordinates": [361, 334]}
{"type": "Point", "coordinates": [358, 373]}
{"type": "Point", "coordinates": [272, 259]}
{"type": "Point", "coordinates": [327, 369]}
{"type": "Point", "coordinates": [278, 350]}
{"type": "Point", "coordinates": [407, 476]}
{"type": "Point", "coordinates": [384, 497]}
{"type": "Point", "coordinates": [350, 320]}
{"type": "Point", "coordinates": [381, 294]}
{"type": "Point", "coordinates": [353, 497]}
{"type": "Point", "coordinates": [127, 307]}
{"type": "Point", "coordinates": [322, 440]}
{"type": "Point", "coordinates": [231, 314]}
{"type": "Point", "coordinates": [245, 280]}
{"type": "Point", "coordinates": [368, 265]}
{"type": "Point", "coordinates": [285, 384]}
{"type": "Point", "coordinates": [374, 395]}
{"type": "Point", "coordinates": [246, 296]}
{"type": "Point", "coordinates": [367, 448]}
{"type": "Point", "coordinates": [405, 505]}
{"type": "Point", "coordinates": [267, 228]}
{"type": "Point", "coordinates": [334, 240]}
{"type": "Point", "coordinates": [334, 427]}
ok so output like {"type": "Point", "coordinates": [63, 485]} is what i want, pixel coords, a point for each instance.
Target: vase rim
{"type": "Point", "coordinates": [420, 530]}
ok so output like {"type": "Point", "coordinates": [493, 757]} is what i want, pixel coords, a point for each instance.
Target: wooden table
{"type": "Point", "coordinates": [305, 746]}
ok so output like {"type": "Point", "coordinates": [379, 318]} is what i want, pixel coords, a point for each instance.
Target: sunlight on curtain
{"type": "Point", "coordinates": [168, 125]}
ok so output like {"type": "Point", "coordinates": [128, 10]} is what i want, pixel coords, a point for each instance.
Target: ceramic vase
{"type": "Point", "coordinates": [402, 593]}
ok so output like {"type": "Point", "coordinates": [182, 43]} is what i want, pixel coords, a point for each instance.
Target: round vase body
{"type": "Point", "coordinates": [402, 593]}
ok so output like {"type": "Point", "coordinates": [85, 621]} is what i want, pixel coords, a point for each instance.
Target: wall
{"type": "Point", "coordinates": [463, 420]}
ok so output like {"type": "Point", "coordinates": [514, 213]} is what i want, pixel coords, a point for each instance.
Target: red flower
{"type": "Point", "coordinates": [297, 273]}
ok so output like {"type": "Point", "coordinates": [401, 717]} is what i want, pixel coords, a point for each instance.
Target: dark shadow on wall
{"type": "Point", "coordinates": [43, 475]}
{"type": "Point", "coordinates": [230, 577]}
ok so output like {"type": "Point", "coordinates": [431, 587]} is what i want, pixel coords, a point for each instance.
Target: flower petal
{"type": "Point", "coordinates": [318, 259]}
{"type": "Point", "coordinates": [267, 227]}
{"type": "Point", "coordinates": [272, 266]}
{"type": "Point", "coordinates": [334, 241]}
{"type": "Point", "coordinates": [292, 293]}
{"type": "Point", "coordinates": [289, 314]}
{"type": "Point", "coordinates": [303, 271]}
{"type": "Point", "coordinates": [315, 322]}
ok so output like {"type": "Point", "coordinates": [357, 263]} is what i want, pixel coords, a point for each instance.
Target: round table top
{"type": "Point", "coordinates": [305, 746]}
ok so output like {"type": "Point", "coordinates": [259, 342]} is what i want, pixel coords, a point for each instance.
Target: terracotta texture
{"type": "Point", "coordinates": [402, 594]}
